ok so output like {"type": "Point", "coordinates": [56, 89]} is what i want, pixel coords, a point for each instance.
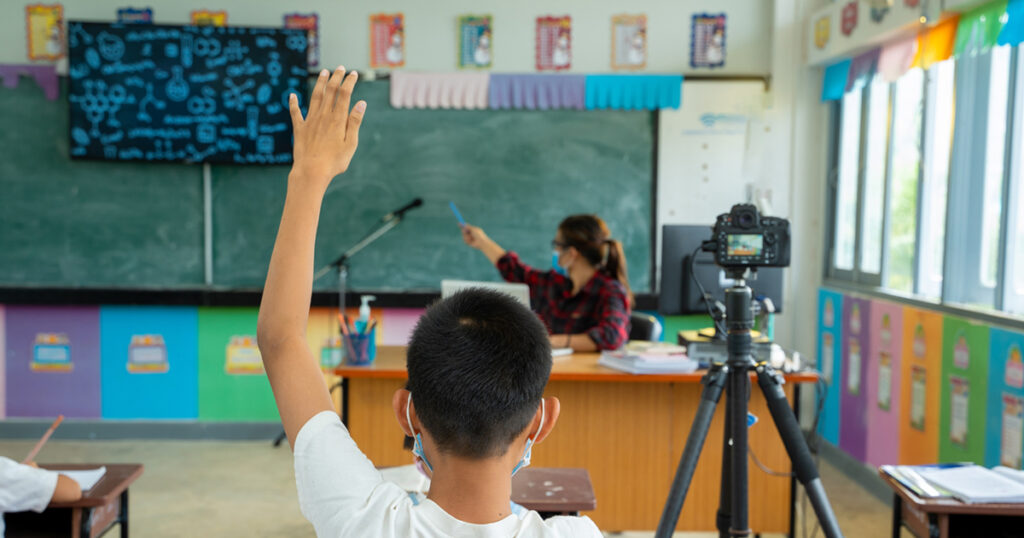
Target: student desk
{"type": "Point", "coordinates": [627, 430]}
{"type": "Point", "coordinates": [943, 518]}
{"type": "Point", "coordinates": [99, 509]}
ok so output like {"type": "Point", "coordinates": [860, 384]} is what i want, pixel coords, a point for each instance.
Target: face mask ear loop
{"type": "Point", "coordinates": [541, 427]}
{"type": "Point", "coordinates": [408, 419]}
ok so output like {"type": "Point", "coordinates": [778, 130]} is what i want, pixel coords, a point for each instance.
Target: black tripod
{"type": "Point", "coordinates": [731, 518]}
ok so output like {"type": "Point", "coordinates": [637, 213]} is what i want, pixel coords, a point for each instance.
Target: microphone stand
{"type": "Point", "coordinates": [341, 263]}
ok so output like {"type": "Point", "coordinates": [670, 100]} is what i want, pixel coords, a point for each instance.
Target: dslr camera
{"type": "Point", "coordinates": [744, 238]}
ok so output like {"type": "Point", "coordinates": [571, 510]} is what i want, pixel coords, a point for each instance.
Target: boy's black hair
{"type": "Point", "coordinates": [478, 362]}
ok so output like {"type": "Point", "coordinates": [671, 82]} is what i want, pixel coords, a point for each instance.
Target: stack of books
{"type": "Point", "coordinates": [649, 358]}
{"type": "Point", "coordinates": [968, 483]}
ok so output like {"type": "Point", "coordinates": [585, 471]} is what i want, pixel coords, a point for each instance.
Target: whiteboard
{"type": "Point", "coordinates": [709, 153]}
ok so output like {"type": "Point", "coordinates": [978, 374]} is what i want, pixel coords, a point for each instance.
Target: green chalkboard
{"type": "Point", "coordinates": [515, 173]}
{"type": "Point", "coordinates": [89, 223]}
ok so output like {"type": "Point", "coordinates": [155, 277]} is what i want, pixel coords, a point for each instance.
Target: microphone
{"type": "Point", "coordinates": [401, 211]}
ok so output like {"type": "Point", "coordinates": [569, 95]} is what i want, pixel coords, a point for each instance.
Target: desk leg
{"type": "Point", "coordinates": [897, 519]}
{"type": "Point", "coordinates": [124, 514]}
{"type": "Point", "coordinates": [344, 401]}
{"type": "Point", "coordinates": [86, 522]}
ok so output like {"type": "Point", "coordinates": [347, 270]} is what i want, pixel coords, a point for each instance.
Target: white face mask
{"type": "Point", "coordinates": [417, 447]}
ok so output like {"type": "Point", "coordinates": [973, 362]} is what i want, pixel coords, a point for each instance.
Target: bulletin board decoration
{"type": "Point", "coordinates": [243, 356]}
{"type": "Point", "coordinates": [629, 42]}
{"type": "Point", "coordinates": [44, 75]}
{"type": "Point", "coordinates": [823, 32]}
{"type": "Point", "coordinates": [51, 353]}
{"type": "Point", "coordinates": [44, 31]}
{"type": "Point", "coordinates": [476, 41]}
{"type": "Point", "coordinates": [311, 23]}
{"type": "Point", "coordinates": [633, 92]}
{"type": "Point", "coordinates": [387, 40]}
{"type": "Point", "coordinates": [206, 17]}
{"type": "Point", "coordinates": [133, 15]}
{"type": "Point", "coordinates": [461, 91]}
{"type": "Point", "coordinates": [537, 92]}
{"type": "Point", "coordinates": [147, 354]}
{"type": "Point", "coordinates": [848, 17]}
{"type": "Point", "coordinates": [554, 43]}
{"type": "Point", "coordinates": [707, 40]}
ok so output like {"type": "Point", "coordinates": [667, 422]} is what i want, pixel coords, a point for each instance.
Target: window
{"type": "Point", "coordinates": [905, 169]}
{"type": "Point", "coordinates": [849, 166]}
{"type": "Point", "coordinates": [938, 146]}
{"type": "Point", "coordinates": [875, 160]}
{"type": "Point", "coordinates": [998, 99]}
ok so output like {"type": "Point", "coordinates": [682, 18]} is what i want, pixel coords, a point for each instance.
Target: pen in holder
{"type": "Point", "coordinates": [360, 349]}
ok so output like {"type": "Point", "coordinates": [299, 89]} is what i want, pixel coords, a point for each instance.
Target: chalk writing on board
{"type": "Point", "coordinates": [183, 93]}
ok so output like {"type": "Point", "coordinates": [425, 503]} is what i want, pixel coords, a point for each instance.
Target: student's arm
{"type": "Point", "coordinates": [610, 332]}
{"type": "Point", "coordinates": [67, 490]}
{"type": "Point", "coordinates": [325, 142]}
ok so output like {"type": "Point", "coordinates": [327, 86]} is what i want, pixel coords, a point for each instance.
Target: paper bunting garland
{"type": "Point", "coordinates": [936, 45]}
{"type": "Point", "coordinates": [862, 68]}
{"type": "Point", "coordinates": [896, 58]}
{"type": "Point", "coordinates": [1013, 30]}
{"type": "Point", "coordinates": [541, 92]}
{"type": "Point", "coordinates": [633, 92]}
{"type": "Point", "coordinates": [44, 75]}
{"type": "Point", "coordinates": [834, 83]}
{"type": "Point", "coordinates": [979, 30]}
{"type": "Point", "coordinates": [439, 90]}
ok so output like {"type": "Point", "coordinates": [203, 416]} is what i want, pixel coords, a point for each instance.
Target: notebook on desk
{"type": "Point", "coordinates": [86, 478]}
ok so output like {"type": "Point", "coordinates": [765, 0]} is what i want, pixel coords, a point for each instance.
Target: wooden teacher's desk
{"type": "Point", "coordinates": [627, 430]}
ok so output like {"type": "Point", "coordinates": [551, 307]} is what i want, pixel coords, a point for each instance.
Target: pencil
{"type": "Point", "coordinates": [39, 446]}
{"type": "Point", "coordinates": [370, 325]}
{"type": "Point", "coordinates": [344, 324]}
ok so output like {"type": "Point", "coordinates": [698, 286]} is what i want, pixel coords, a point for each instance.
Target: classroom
{"type": "Point", "coordinates": [568, 268]}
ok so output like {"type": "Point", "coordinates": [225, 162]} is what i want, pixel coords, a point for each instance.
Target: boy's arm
{"type": "Point", "coordinates": [325, 142]}
{"type": "Point", "coordinates": [67, 490]}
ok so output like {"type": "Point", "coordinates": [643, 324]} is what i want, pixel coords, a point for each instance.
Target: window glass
{"type": "Point", "coordinates": [995, 147]}
{"type": "Point", "coordinates": [936, 178]}
{"type": "Point", "coordinates": [908, 104]}
{"type": "Point", "coordinates": [846, 192]}
{"type": "Point", "coordinates": [875, 159]}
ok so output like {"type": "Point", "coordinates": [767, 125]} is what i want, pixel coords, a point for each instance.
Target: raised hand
{"type": "Point", "coordinates": [327, 138]}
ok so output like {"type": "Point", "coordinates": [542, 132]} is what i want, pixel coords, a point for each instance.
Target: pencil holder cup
{"type": "Point", "coordinates": [360, 349]}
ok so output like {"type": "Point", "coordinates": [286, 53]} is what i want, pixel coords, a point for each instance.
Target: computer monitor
{"type": "Point", "coordinates": [520, 292]}
{"type": "Point", "coordinates": [680, 295]}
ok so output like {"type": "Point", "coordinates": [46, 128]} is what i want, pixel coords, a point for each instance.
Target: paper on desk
{"type": "Point", "coordinates": [407, 477]}
{"type": "Point", "coordinates": [86, 478]}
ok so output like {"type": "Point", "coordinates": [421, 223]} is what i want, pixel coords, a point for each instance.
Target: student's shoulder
{"type": "Point", "coordinates": [571, 526]}
{"type": "Point", "coordinates": [611, 285]}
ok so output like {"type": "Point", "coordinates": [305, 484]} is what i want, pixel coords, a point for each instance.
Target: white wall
{"type": "Point", "coordinates": [431, 42]}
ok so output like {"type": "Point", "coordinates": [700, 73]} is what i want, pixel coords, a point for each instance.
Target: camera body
{"type": "Point", "coordinates": [744, 238]}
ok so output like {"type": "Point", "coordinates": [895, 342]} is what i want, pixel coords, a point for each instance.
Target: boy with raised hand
{"type": "Point", "coordinates": [478, 363]}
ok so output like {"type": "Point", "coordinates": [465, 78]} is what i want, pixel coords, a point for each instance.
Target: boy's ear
{"type": "Point", "coordinates": [552, 408]}
{"type": "Point", "coordinates": [398, 402]}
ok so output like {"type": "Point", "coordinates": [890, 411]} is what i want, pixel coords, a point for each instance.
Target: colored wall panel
{"type": "Point", "coordinates": [885, 334]}
{"type": "Point", "coordinates": [149, 362]}
{"type": "Point", "coordinates": [921, 380]}
{"type": "Point", "coordinates": [322, 332]}
{"type": "Point", "coordinates": [854, 392]}
{"type": "Point", "coordinates": [3, 354]}
{"type": "Point", "coordinates": [232, 385]}
{"type": "Point", "coordinates": [964, 391]}
{"type": "Point", "coordinates": [400, 323]}
{"type": "Point", "coordinates": [53, 361]}
{"type": "Point", "coordinates": [1005, 423]}
{"type": "Point", "coordinates": [830, 315]}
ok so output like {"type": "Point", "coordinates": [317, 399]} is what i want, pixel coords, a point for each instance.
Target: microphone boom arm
{"type": "Point", "coordinates": [363, 243]}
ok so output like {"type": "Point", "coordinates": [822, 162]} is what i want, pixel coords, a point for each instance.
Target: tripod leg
{"type": "Point", "coordinates": [723, 518]}
{"type": "Point", "coordinates": [714, 382]}
{"type": "Point", "coordinates": [796, 447]}
{"type": "Point", "coordinates": [737, 396]}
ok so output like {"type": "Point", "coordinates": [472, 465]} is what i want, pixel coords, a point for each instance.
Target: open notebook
{"type": "Point", "coordinates": [86, 478]}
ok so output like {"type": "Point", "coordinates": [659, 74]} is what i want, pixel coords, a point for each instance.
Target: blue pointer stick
{"type": "Point", "coordinates": [462, 221]}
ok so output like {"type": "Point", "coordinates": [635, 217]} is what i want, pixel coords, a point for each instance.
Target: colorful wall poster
{"type": "Point", "coordinates": [399, 324]}
{"type": "Point", "coordinates": [830, 315]}
{"type": "Point", "coordinates": [554, 43]}
{"type": "Point", "coordinates": [206, 17]}
{"type": "Point", "coordinates": [231, 387]}
{"type": "Point", "coordinates": [629, 42]}
{"type": "Point", "coordinates": [476, 41]}
{"type": "Point", "coordinates": [150, 365]}
{"type": "Point", "coordinates": [884, 376]}
{"type": "Point", "coordinates": [921, 377]}
{"type": "Point", "coordinates": [853, 389]}
{"type": "Point", "coordinates": [311, 23]}
{"type": "Point", "coordinates": [3, 360]}
{"type": "Point", "coordinates": [44, 31]}
{"type": "Point", "coordinates": [387, 40]}
{"type": "Point", "coordinates": [707, 40]}
{"type": "Point", "coordinates": [1004, 439]}
{"type": "Point", "coordinates": [52, 361]}
{"type": "Point", "coordinates": [131, 15]}
{"type": "Point", "coordinates": [964, 391]}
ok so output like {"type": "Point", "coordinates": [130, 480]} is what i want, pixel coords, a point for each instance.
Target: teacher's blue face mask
{"type": "Point", "coordinates": [558, 268]}
{"type": "Point", "coordinates": [524, 461]}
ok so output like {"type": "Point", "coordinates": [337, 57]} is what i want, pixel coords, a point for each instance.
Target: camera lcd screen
{"type": "Point", "coordinates": [745, 244]}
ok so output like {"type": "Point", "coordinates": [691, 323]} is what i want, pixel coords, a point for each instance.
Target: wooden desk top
{"type": "Point", "coordinates": [117, 479]}
{"type": "Point", "coordinates": [553, 489]}
{"type": "Point", "coordinates": [390, 364]}
{"type": "Point", "coordinates": [950, 506]}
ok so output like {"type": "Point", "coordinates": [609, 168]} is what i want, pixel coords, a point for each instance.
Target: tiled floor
{"type": "Point", "coordinates": [218, 488]}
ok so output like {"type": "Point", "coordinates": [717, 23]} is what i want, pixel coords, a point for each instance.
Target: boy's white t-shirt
{"type": "Point", "coordinates": [24, 488]}
{"type": "Point", "coordinates": [342, 494]}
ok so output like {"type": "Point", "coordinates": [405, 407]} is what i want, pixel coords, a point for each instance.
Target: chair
{"type": "Point", "coordinates": [644, 327]}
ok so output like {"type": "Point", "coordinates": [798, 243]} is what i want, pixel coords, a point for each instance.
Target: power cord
{"type": "Point", "coordinates": [703, 292]}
